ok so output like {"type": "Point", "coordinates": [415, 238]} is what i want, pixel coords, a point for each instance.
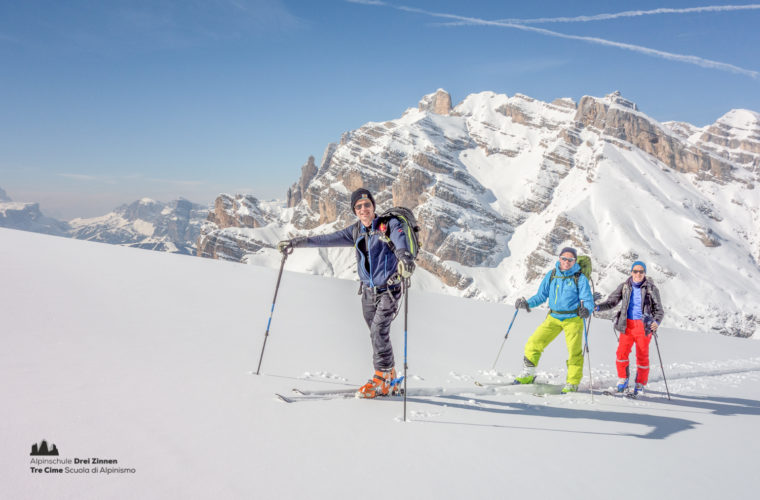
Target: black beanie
{"type": "Point", "coordinates": [571, 250]}
{"type": "Point", "coordinates": [359, 194]}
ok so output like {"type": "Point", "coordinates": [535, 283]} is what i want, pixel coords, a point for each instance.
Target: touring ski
{"type": "Point", "coordinates": [615, 393]}
{"type": "Point", "coordinates": [537, 389]}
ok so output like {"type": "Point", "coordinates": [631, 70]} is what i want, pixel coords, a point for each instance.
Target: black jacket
{"type": "Point", "coordinates": [650, 302]}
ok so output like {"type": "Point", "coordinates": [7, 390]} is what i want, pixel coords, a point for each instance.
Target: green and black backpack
{"type": "Point", "coordinates": [408, 225]}
{"type": "Point", "coordinates": [585, 262]}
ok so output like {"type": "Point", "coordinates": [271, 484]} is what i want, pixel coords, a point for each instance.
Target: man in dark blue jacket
{"type": "Point", "coordinates": [380, 271]}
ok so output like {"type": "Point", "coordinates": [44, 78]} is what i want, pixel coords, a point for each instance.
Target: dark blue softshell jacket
{"type": "Point", "coordinates": [375, 261]}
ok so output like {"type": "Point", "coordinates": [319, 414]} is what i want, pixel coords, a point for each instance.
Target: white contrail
{"type": "Point", "coordinates": [698, 61]}
{"type": "Point", "coordinates": [634, 13]}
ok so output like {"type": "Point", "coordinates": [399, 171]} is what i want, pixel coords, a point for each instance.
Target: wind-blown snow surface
{"type": "Point", "coordinates": [146, 358]}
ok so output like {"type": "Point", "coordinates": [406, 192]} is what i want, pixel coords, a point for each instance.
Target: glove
{"type": "Point", "coordinates": [287, 246]}
{"type": "Point", "coordinates": [583, 312]}
{"type": "Point", "coordinates": [521, 303]}
{"type": "Point", "coordinates": [597, 297]}
{"type": "Point", "coordinates": [405, 263]}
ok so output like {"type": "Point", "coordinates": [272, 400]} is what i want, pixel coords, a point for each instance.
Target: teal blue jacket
{"type": "Point", "coordinates": [563, 294]}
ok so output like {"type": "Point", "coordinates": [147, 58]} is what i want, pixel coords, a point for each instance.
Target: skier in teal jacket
{"type": "Point", "coordinates": [570, 301]}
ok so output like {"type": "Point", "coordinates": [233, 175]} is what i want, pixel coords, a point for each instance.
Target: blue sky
{"type": "Point", "coordinates": [103, 103]}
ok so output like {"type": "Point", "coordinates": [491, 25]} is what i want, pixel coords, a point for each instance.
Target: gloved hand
{"type": "Point", "coordinates": [521, 303]}
{"type": "Point", "coordinates": [597, 297]}
{"type": "Point", "coordinates": [583, 312]}
{"type": "Point", "coordinates": [287, 246]}
{"type": "Point", "coordinates": [405, 263]}
{"type": "Point", "coordinates": [284, 246]}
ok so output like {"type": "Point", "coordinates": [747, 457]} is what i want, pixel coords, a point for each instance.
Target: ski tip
{"type": "Point", "coordinates": [282, 398]}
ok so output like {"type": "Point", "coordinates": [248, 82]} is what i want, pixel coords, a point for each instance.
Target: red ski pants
{"type": "Point", "coordinates": [634, 334]}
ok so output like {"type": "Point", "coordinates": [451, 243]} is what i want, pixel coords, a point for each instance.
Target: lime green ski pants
{"type": "Point", "coordinates": [547, 332]}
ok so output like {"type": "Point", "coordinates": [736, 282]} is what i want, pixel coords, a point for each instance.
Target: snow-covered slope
{"type": "Point", "coordinates": [146, 358]}
{"type": "Point", "coordinates": [500, 184]}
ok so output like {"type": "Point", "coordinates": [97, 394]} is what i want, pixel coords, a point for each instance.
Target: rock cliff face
{"type": "Point", "coordinates": [619, 118]}
{"type": "Point", "coordinates": [499, 184]}
{"type": "Point", "coordinates": [308, 171]}
{"type": "Point", "coordinates": [230, 213]}
{"type": "Point", "coordinates": [438, 103]}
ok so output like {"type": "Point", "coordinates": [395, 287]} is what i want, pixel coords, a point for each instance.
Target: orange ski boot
{"type": "Point", "coordinates": [378, 385]}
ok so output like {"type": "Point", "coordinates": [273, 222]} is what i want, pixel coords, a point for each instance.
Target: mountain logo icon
{"type": "Point", "coordinates": [42, 449]}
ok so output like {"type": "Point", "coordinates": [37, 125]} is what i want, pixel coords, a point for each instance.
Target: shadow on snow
{"type": "Point", "coordinates": [661, 427]}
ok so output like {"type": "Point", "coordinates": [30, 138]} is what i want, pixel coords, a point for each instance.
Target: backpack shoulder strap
{"type": "Point", "coordinates": [385, 235]}
{"type": "Point", "coordinates": [356, 231]}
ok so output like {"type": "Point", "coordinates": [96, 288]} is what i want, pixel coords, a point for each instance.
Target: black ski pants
{"type": "Point", "coordinates": [379, 309]}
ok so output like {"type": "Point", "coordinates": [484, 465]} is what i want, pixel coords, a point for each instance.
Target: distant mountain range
{"type": "Point", "coordinates": [499, 184]}
{"type": "Point", "coordinates": [169, 227]}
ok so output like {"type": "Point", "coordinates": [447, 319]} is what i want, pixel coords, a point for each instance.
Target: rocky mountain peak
{"type": "Point", "coordinates": [145, 209]}
{"type": "Point", "coordinates": [744, 121]}
{"type": "Point", "coordinates": [439, 102]}
{"type": "Point", "coordinates": [618, 99]}
{"type": "Point", "coordinates": [4, 198]}
{"type": "Point", "coordinates": [308, 171]}
{"type": "Point", "coordinates": [738, 131]}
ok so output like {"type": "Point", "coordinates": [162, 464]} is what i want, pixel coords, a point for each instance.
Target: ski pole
{"type": "Point", "coordinates": [662, 367]}
{"type": "Point", "coordinates": [287, 251]}
{"type": "Point", "coordinates": [586, 328]}
{"type": "Point", "coordinates": [505, 340]}
{"type": "Point", "coordinates": [406, 316]}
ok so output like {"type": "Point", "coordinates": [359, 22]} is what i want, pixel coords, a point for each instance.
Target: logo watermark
{"type": "Point", "coordinates": [47, 460]}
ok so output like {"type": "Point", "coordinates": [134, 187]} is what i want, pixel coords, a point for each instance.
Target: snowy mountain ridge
{"type": "Point", "coordinates": [499, 184]}
{"type": "Point", "coordinates": [145, 223]}
{"type": "Point", "coordinates": [28, 217]}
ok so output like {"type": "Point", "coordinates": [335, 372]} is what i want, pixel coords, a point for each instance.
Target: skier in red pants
{"type": "Point", "coordinates": [639, 317]}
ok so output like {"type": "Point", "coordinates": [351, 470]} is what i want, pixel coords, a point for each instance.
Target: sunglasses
{"type": "Point", "coordinates": [567, 259]}
{"type": "Point", "coordinates": [638, 271]}
{"type": "Point", "coordinates": [365, 204]}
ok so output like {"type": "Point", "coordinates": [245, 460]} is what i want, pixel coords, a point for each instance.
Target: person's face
{"type": "Point", "coordinates": [566, 261]}
{"type": "Point", "coordinates": [638, 274]}
{"type": "Point", "coordinates": [365, 211]}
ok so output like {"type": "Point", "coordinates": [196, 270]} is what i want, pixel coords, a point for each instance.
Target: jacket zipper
{"type": "Point", "coordinates": [369, 258]}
